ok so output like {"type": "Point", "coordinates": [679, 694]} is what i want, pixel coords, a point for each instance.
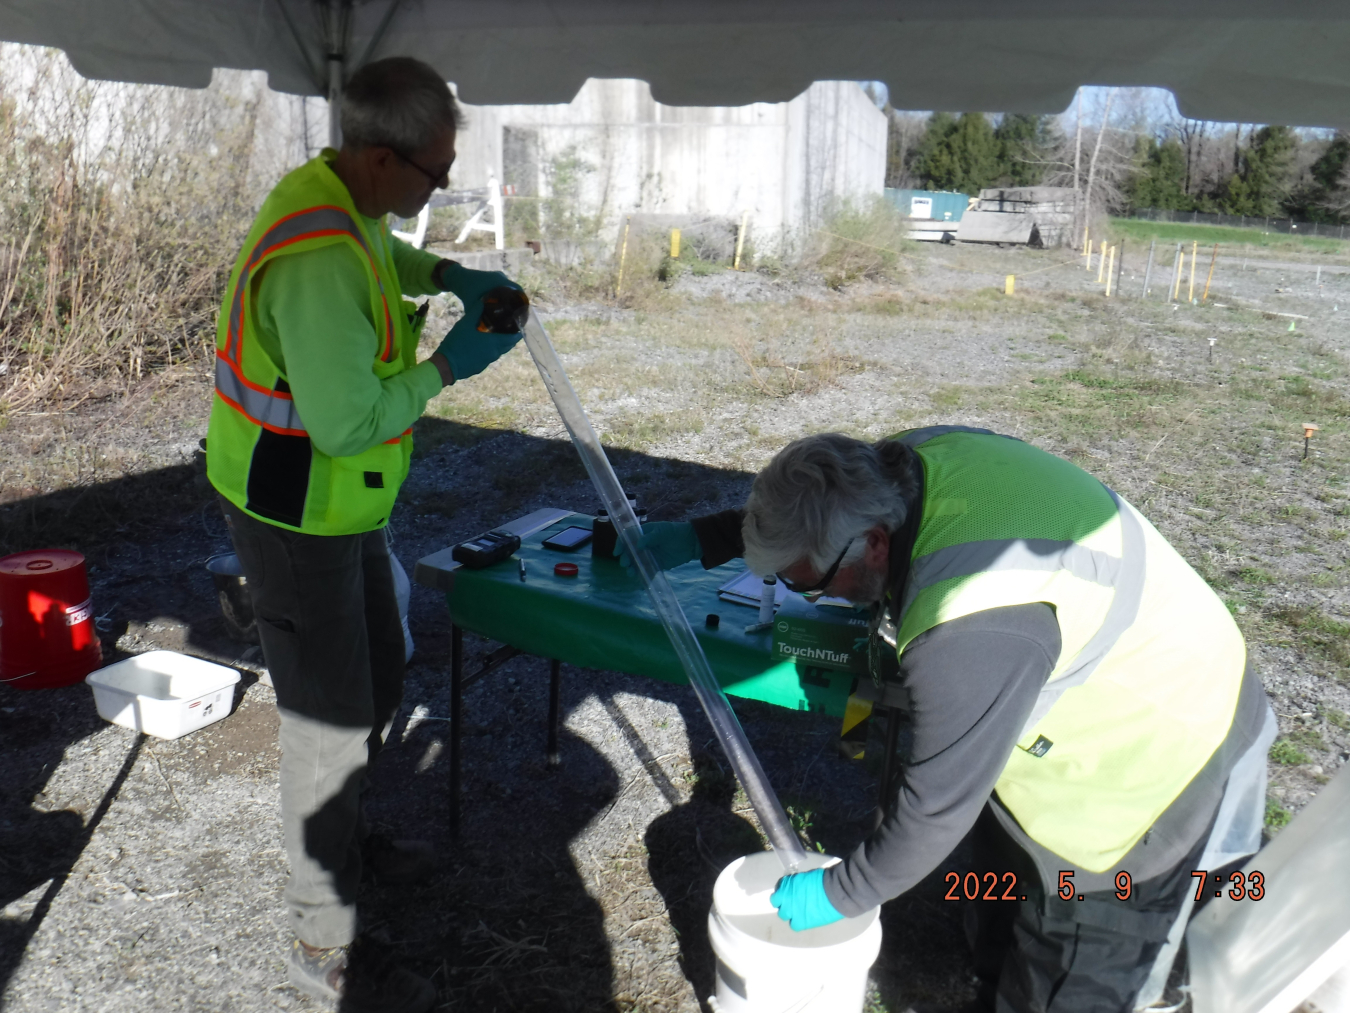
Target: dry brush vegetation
{"type": "Point", "coordinates": [122, 207]}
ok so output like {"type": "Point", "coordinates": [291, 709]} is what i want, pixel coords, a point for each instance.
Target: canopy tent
{"type": "Point", "coordinates": [1265, 61]}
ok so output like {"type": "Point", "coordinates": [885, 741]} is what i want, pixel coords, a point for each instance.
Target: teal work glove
{"type": "Point", "coordinates": [469, 351]}
{"type": "Point", "coordinates": [801, 901]}
{"type": "Point", "coordinates": [469, 285]}
{"type": "Point", "coordinates": [670, 543]}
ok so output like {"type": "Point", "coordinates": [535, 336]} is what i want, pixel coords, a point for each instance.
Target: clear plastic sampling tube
{"type": "Point", "coordinates": [715, 704]}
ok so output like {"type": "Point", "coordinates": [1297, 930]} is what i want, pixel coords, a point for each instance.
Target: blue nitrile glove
{"type": "Point", "coordinates": [670, 543]}
{"type": "Point", "coordinates": [470, 351]}
{"type": "Point", "coordinates": [801, 901]}
{"type": "Point", "coordinates": [470, 285]}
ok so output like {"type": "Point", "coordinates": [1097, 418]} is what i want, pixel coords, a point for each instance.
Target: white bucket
{"type": "Point", "coordinates": [763, 966]}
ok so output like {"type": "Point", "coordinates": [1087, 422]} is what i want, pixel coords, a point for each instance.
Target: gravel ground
{"type": "Point", "coordinates": [142, 874]}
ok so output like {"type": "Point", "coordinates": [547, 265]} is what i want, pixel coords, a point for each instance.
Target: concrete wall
{"type": "Point", "coordinates": [617, 152]}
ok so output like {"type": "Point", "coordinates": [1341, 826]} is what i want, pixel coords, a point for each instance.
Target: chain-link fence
{"type": "Point", "coordinates": [1286, 225]}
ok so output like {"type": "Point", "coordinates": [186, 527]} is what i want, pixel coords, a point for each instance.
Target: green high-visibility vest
{"type": "Point", "coordinates": [259, 454]}
{"type": "Point", "coordinates": [1146, 686]}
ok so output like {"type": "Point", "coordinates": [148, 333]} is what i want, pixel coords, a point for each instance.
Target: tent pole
{"type": "Point", "coordinates": [335, 100]}
{"type": "Point", "coordinates": [337, 24]}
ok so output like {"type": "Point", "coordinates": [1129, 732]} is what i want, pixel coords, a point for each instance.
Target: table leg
{"type": "Point", "coordinates": [456, 721]}
{"type": "Point", "coordinates": [887, 801]}
{"type": "Point", "coordinates": [554, 685]}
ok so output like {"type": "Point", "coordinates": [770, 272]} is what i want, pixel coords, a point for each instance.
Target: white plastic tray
{"type": "Point", "coordinates": [163, 693]}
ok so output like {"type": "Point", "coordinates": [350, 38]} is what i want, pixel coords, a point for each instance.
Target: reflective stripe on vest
{"type": "Point", "coordinates": [311, 223]}
{"type": "Point", "coordinates": [1120, 615]}
{"type": "Point", "coordinates": [271, 409]}
{"type": "Point", "coordinates": [275, 409]}
{"type": "Point", "coordinates": [1125, 576]}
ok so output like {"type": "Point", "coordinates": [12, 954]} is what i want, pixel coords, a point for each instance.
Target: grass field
{"type": "Point", "coordinates": [1232, 240]}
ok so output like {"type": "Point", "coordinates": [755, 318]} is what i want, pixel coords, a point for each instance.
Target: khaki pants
{"type": "Point", "coordinates": [333, 642]}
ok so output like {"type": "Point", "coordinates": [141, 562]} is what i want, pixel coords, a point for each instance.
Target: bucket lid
{"type": "Point", "coordinates": [38, 562]}
{"type": "Point", "coordinates": [741, 903]}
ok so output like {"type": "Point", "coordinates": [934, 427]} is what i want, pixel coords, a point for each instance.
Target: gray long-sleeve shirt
{"type": "Point", "coordinates": [972, 683]}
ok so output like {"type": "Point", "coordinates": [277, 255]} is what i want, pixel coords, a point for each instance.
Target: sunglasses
{"type": "Point", "coordinates": [435, 179]}
{"type": "Point", "coordinates": [824, 581]}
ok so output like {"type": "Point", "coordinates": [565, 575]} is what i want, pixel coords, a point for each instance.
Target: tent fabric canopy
{"type": "Point", "coordinates": [1265, 61]}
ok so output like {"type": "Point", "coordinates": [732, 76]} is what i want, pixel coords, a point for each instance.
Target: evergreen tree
{"type": "Point", "coordinates": [1262, 180]}
{"type": "Point", "coordinates": [932, 163]}
{"type": "Point", "coordinates": [1329, 169]}
{"type": "Point", "coordinates": [959, 153]}
{"type": "Point", "coordinates": [1024, 142]}
{"type": "Point", "coordinates": [1159, 177]}
{"type": "Point", "coordinates": [1324, 198]}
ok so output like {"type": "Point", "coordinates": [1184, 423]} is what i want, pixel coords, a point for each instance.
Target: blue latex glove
{"type": "Point", "coordinates": [670, 543]}
{"type": "Point", "coordinates": [801, 901]}
{"type": "Point", "coordinates": [469, 351]}
{"type": "Point", "coordinates": [470, 285]}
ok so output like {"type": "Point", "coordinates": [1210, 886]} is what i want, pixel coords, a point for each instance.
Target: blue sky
{"type": "Point", "coordinates": [1153, 105]}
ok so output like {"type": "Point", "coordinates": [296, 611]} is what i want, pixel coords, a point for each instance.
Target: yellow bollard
{"type": "Point", "coordinates": [1190, 292]}
{"type": "Point", "coordinates": [623, 256]}
{"type": "Point", "coordinates": [1008, 285]}
{"type": "Point", "coordinates": [1110, 270]}
{"type": "Point", "coordinates": [674, 244]}
{"type": "Point", "coordinates": [740, 241]}
{"type": "Point", "coordinates": [1101, 261]}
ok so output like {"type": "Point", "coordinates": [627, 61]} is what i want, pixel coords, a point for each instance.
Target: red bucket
{"type": "Point", "coordinates": [47, 635]}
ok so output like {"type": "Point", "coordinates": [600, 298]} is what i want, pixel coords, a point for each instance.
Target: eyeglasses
{"type": "Point", "coordinates": [824, 581]}
{"type": "Point", "coordinates": [435, 178]}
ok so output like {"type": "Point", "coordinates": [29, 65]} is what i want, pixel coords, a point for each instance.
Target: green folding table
{"type": "Point", "coordinates": [602, 618]}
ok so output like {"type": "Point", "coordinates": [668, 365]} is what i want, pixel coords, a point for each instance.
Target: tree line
{"type": "Point", "coordinates": [1137, 160]}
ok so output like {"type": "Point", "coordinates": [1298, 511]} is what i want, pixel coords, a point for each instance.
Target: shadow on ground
{"type": "Point", "coordinates": [509, 924]}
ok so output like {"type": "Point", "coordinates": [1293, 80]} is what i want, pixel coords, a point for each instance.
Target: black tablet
{"type": "Point", "coordinates": [568, 539]}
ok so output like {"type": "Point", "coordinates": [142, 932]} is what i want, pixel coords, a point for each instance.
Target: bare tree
{"type": "Point", "coordinates": [1097, 148]}
{"type": "Point", "coordinates": [1124, 115]}
{"type": "Point", "coordinates": [904, 133]}
{"type": "Point", "coordinates": [1079, 212]}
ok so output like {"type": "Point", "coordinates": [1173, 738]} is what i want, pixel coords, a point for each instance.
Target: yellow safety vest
{"type": "Point", "coordinates": [1147, 682]}
{"type": "Point", "coordinates": [259, 454]}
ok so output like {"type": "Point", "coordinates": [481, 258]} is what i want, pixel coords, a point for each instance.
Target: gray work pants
{"type": "Point", "coordinates": [333, 642]}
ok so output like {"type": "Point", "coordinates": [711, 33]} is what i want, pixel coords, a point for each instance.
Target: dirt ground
{"type": "Point", "coordinates": [144, 874]}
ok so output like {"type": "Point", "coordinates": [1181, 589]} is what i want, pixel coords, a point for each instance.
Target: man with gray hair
{"type": "Point", "coordinates": [317, 388]}
{"type": "Point", "coordinates": [1079, 701]}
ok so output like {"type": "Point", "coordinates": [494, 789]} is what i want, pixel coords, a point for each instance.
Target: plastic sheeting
{"type": "Point", "coordinates": [1268, 955]}
{"type": "Point", "coordinates": [1236, 834]}
{"type": "Point", "coordinates": [1271, 61]}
